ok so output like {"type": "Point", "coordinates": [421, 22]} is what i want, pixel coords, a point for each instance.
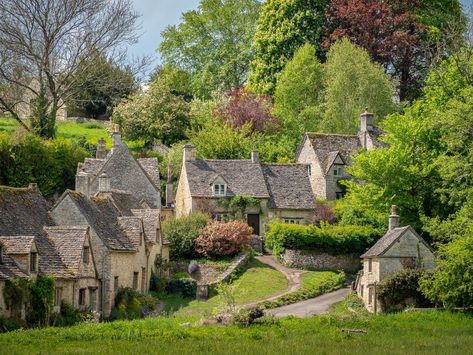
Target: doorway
{"type": "Point", "coordinates": [253, 222]}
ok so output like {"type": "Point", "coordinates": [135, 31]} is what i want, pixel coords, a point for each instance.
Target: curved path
{"type": "Point", "coordinates": [307, 308]}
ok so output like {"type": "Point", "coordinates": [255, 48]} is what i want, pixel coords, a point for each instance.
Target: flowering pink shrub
{"type": "Point", "coordinates": [223, 238]}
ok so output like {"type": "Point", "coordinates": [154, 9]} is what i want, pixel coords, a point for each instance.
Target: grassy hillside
{"type": "Point", "coordinates": [426, 332]}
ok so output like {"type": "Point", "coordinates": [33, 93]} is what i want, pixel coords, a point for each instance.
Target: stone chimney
{"type": "Point", "coordinates": [393, 218]}
{"type": "Point", "coordinates": [104, 183]}
{"type": "Point", "coordinates": [116, 139]}
{"type": "Point", "coordinates": [101, 150]}
{"type": "Point", "coordinates": [169, 189]}
{"type": "Point", "coordinates": [366, 121]}
{"type": "Point", "coordinates": [83, 183]}
{"type": "Point", "coordinates": [255, 157]}
{"type": "Point", "coordinates": [189, 152]}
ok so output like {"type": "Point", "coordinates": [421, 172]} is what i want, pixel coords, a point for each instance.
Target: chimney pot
{"type": "Point", "coordinates": [393, 218]}
{"type": "Point", "coordinates": [101, 150]}
{"type": "Point", "coordinates": [255, 157]}
{"type": "Point", "coordinates": [366, 121]}
{"type": "Point", "coordinates": [104, 183]}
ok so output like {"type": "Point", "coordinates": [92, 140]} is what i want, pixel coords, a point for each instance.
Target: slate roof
{"type": "Point", "coordinates": [326, 147]}
{"type": "Point", "coordinates": [91, 166]}
{"type": "Point", "coordinates": [150, 166]}
{"type": "Point", "coordinates": [383, 244]}
{"type": "Point", "coordinates": [133, 229]}
{"type": "Point", "coordinates": [124, 201]}
{"type": "Point", "coordinates": [24, 212]}
{"type": "Point", "coordinates": [102, 217]}
{"type": "Point", "coordinates": [16, 244]}
{"type": "Point", "coordinates": [9, 268]}
{"type": "Point", "coordinates": [289, 186]}
{"type": "Point", "coordinates": [69, 242]}
{"type": "Point", "coordinates": [242, 176]}
{"type": "Point", "coordinates": [151, 223]}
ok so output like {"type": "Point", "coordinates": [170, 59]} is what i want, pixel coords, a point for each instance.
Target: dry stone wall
{"type": "Point", "coordinates": [310, 259]}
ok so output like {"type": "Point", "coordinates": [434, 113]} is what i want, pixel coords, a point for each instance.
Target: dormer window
{"type": "Point", "coordinates": [220, 189]}
{"type": "Point", "coordinates": [337, 170]}
{"type": "Point", "coordinates": [86, 255]}
{"type": "Point", "coordinates": [33, 262]}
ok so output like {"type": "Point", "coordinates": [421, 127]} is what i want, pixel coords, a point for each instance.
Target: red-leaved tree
{"type": "Point", "coordinates": [242, 107]}
{"type": "Point", "coordinates": [390, 33]}
{"type": "Point", "coordinates": [223, 238]}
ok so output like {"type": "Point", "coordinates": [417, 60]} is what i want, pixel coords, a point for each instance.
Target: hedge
{"type": "Point", "coordinates": [327, 237]}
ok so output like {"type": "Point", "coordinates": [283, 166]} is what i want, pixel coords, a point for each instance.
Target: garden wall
{"type": "Point", "coordinates": [311, 259]}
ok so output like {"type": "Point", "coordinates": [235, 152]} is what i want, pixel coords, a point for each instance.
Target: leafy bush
{"type": "Point", "coordinates": [223, 238]}
{"type": "Point", "coordinates": [186, 287]}
{"type": "Point", "coordinates": [401, 289]}
{"type": "Point", "coordinates": [130, 304]}
{"type": "Point", "coordinates": [182, 232]}
{"type": "Point", "coordinates": [8, 324]}
{"type": "Point", "coordinates": [247, 316]}
{"type": "Point", "coordinates": [67, 316]}
{"type": "Point", "coordinates": [330, 238]}
{"type": "Point", "coordinates": [156, 283]}
{"type": "Point", "coordinates": [314, 284]}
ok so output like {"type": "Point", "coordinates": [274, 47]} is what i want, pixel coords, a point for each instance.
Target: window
{"type": "Point", "coordinates": [1, 254]}
{"type": "Point", "coordinates": [339, 195]}
{"type": "Point", "coordinates": [362, 288]}
{"type": "Point", "coordinates": [85, 255]}
{"type": "Point", "coordinates": [82, 297]}
{"type": "Point", "coordinates": [115, 283]}
{"type": "Point", "coordinates": [309, 170]}
{"type": "Point", "coordinates": [135, 280]}
{"type": "Point", "coordinates": [93, 298]}
{"type": "Point", "coordinates": [141, 239]}
{"type": "Point", "coordinates": [337, 170]}
{"type": "Point", "coordinates": [370, 295]}
{"type": "Point", "coordinates": [33, 262]}
{"type": "Point", "coordinates": [221, 217]}
{"type": "Point", "coordinates": [57, 296]}
{"type": "Point", "coordinates": [143, 279]}
{"type": "Point", "coordinates": [292, 220]}
{"type": "Point", "coordinates": [370, 265]}
{"type": "Point", "coordinates": [220, 190]}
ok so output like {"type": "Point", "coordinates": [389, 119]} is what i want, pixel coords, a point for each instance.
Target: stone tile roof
{"type": "Point", "coordinates": [151, 223]}
{"type": "Point", "coordinates": [102, 217]}
{"type": "Point", "coordinates": [383, 244]}
{"type": "Point", "coordinates": [242, 176]}
{"type": "Point", "coordinates": [69, 243]}
{"type": "Point", "coordinates": [150, 166]}
{"type": "Point", "coordinates": [132, 226]}
{"type": "Point", "coordinates": [289, 186]}
{"type": "Point", "coordinates": [17, 244]}
{"type": "Point", "coordinates": [9, 268]}
{"type": "Point", "coordinates": [91, 166]}
{"type": "Point", "coordinates": [24, 212]}
{"type": "Point", "coordinates": [326, 147]}
{"type": "Point", "coordinates": [124, 201]}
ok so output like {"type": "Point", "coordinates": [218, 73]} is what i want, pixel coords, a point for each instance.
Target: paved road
{"type": "Point", "coordinates": [317, 305]}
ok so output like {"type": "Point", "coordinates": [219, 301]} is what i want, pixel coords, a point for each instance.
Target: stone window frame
{"type": "Point", "coordinates": [82, 296]}
{"type": "Point", "coordinates": [1, 254]}
{"type": "Point", "coordinates": [143, 279]}
{"type": "Point", "coordinates": [219, 189]}
{"type": "Point", "coordinates": [221, 217]}
{"type": "Point", "coordinates": [370, 296]}
{"type": "Point", "coordinates": [34, 262]}
{"type": "Point", "coordinates": [115, 283]}
{"type": "Point", "coordinates": [292, 220]}
{"type": "Point", "coordinates": [136, 275]}
{"type": "Point", "coordinates": [86, 255]}
{"type": "Point", "coordinates": [370, 265]}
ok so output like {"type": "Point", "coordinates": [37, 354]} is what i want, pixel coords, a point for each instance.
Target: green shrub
{"type": "Point", "coordinates": [67, 316]}
{"type": "Point", "coordinates": [401, 289]}
{"type": "Point", "coordinates": [247, 316]}
{"type": "Point", "coordinates": [186, 287]}
{"type": "Point", "coordinates": [327, 237]}
{"type": "Point", "coordinates": [182, 232]}
{"type": "Point", "coordinates": [130, 304]}
{"type": "Point", "coordinates": [8, 324]}
{"type": "Point", "coordinates": [180, 275]}
{"type": "Point", "coordinates": [156, 283]}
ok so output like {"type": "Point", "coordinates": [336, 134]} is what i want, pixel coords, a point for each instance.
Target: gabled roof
{"type": "Point", "coordinates": [133, 228]}
{"type": "Point", "coordinates": [16, 244]}
{"type": "Point", "coordinates": [9, 268]}
{"type": "Point", "coordinates": [151, 222]}
{"type": "Point", "coordinates": [385, 243]}
{"type": "Point", "coordinates": [124, 201]}
{"type": "Point", "coordinates": [289, 186]}
{"type": "Point", "coordinates": [69, 242]}
{"type": "Point", "coordinates": [24, 212]}
{"type": "Point", "coordinates": [243, 177]}
{"type": "Point", "coordinates": [102, 217]}
{"type": "Point", "coordinates": [150, 166]}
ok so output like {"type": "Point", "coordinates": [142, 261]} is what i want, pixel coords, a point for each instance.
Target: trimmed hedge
{"type": "Point", "coordinates": [327, 237]}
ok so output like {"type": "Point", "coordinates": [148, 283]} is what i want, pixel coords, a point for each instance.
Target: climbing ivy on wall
{"type": "Point", "coordinates": [238, 204]}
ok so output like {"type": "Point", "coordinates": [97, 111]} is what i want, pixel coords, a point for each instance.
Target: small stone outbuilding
{"type": "Point", "coordinates": [398, 249]}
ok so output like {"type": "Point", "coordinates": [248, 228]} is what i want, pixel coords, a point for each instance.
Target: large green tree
{"type": "Point", "coordinates": [213, 43]}
{"type": "Point", "coordinates": [283, 27]}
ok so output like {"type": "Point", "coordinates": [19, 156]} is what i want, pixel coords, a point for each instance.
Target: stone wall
{"type": "Point", "coordinates": [311, 259]}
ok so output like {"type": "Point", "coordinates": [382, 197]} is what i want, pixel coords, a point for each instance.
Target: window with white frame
{"type": "Point", "coordinates": [292, 220]}
{"type": "Point", "coordinates": [221, 217]}
{"type": "Point", "coordinates": [220, 189]}
{"type": "Point", "coordinates": [338, 170]}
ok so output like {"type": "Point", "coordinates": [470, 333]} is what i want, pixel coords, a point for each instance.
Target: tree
{"type": "Point", "coordinates": [298, 96]}
{"type": "Point", "coordinates": [283, 27]}
{"type": "Point", "coordinates": [213, 44]}
{"type": "Point", "coordinates": [241, 107]}
{"type": "Point", "coordinates": [156, 114]}
{"type": "Point", "coordinates": [352, 83]}
{"type": "Point", "coordinates": [97, 86]}
{"type": "Point", "coordinates": [43, 43]}
{"type": "Point", "coordinates": [396, 33]}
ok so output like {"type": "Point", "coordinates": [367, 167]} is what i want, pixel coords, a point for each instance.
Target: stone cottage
{"type": "Point", "coordinates": [283, 190]}
{"type": "Point", "coordinates": [31, 244]}
{"type": "Point", "coordinates": [124, 238]}
{"type": "Point", "coordinates": [328, 155]}
{"type": "Point", "coordinates": [399, 248]}
{"type": "Point", "coordinates": [139, 177]}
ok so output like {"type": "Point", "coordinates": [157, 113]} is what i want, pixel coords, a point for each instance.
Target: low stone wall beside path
{"type": "Point", "coordinates": [317, 260]}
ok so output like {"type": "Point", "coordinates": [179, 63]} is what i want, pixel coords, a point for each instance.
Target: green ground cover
{"type": "Point", "coordinates": [433, 332]}
{"type": "Point", "coordinates": [256, 283]}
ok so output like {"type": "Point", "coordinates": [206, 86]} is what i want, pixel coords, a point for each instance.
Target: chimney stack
{"type": "Point", "coordinates": [366, 121]}
{"type": "Point", "coordinates": [101, 150]}
{"type": "Point", "coordinates": [255, 157]}
{"type": "Point", "coordinates": [393, 218]}
{"type": "Point", "coordinates": [104, 183]}
{"type": "Point", "coordinates": [169, 189]}
{"type": "Point", "coordinates": [189, 152]}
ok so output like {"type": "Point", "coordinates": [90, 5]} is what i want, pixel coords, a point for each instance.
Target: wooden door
{"type": "Point", "coordinates": [253, 222]}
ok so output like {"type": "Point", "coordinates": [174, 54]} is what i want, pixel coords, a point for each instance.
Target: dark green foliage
{"type": "Point", "coordinates": [130, 304]}
{"type": "Point", "coordinates": [329, 238]}
{"type": "Point", "coordinates": [247, 316]}
{"type": "Point", "coordinates": [186, 287]}
{"type": "Point", "coordinates": [42, 299]}
{"type": "Point", "coordinates": [67, 316]}
{"type": "Point", "coordinates": [401, 289]}
{"type": "Point", "coordinates": [181, 233]}
{"type": "Point", "coordinates": [43, 116]}
{"type": "Point", "coordinates": [8, 324]}
{"type": "Point", "coordinates": [238, 204]}
{"type": "Point", "coordinates": [51, 164]}
{"type": "Point", "coordinates": [16, 294]}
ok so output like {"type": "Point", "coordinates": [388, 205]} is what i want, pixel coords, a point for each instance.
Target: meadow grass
{"type": "Point", "coordinates": [433, 332]}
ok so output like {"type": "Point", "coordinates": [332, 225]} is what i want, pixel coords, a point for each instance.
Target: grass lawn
{"type": "Point", "coordinates": [257, 282]}
{"type": "Point", "coordinates": [433, 332]}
